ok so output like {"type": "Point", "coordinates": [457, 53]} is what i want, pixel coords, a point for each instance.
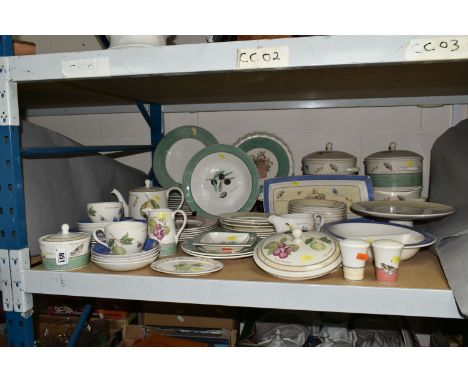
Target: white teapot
{"type": "Point", "coordinates": [146, 197]}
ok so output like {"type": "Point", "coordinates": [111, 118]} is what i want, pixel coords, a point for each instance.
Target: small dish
{"type": "Point", "coordinates": [189, 248]}
{"type": "Point", "coordinates": [225, 241]}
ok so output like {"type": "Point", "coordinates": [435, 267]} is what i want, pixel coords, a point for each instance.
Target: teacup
{"type": "Point", "coordinates": [123, 238]}
{"type": "Point", "coordinates": [104, 211]}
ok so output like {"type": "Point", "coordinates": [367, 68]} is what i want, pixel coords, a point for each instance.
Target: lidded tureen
{"type": "Point", "coordinates": [329, 162]}
{"type": "Point", "coordinates": [298, 255]}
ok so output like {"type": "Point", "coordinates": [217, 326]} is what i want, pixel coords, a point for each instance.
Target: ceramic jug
{"type": "Point", "coordinates": [146, 197]}
{"type": "Point", "coordinates": [161, 227]}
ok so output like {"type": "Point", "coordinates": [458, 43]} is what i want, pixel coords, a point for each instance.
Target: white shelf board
{"type": "Point", "coordinates": [320, 68]}
{"type": "Point", "coordinates": [304, 52]}
{"type": "Point", "coordinates": [243, 284]}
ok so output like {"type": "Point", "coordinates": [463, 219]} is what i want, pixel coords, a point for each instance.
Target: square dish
{"type": "Point", "coordinates": [222, 242]}
{"type": "Point", "coordinates": [344, 188]}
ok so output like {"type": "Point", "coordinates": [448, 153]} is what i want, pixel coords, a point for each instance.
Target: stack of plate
{"type": "Point", "coordinates": [104, 258]}
{"type": "Point", "coordinates": [331, 210]}
{"type": "Point", "coordinates": [195, 247]}
{"type": "Point", "coordinates": [195, 226]}
{"type": "Point", "coordinates": [252, 222]}
{"type": "Point", "coordinates": [174, 201]}
{"type": "Point", "coordinates": [311, 255]}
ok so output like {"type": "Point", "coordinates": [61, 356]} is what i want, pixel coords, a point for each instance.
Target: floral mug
{"type": "Point", "coordinates": [161, 227]}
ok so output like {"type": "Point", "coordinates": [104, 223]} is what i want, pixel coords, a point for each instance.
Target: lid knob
{"type": "Point", "coordinates": [65, 229]}
{"type": "Point", "coordinates": [296, 234]}
{"type": "Point", "coordinates": [148, 183]}
{"type": "Point", "coordinates": [329, 146]}
{"type": "Point", "coordinates": [392, 146]}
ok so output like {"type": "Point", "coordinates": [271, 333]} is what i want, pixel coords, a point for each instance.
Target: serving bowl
{"type": "Point", "coordinates": [413, 238]}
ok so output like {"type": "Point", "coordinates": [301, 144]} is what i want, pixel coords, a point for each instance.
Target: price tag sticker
{"type": "Point", "coordinates": [362, 256]}
{"type": "Point", "coordinates": [268, 57]}
{"type": "Point", "coordinates": [61, 257]}
{"type": "Point", "coordinates": [437, 48]}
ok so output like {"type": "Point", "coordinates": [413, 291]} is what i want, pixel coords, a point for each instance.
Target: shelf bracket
{"type": "Point", "coordinates": [19, 261]}
{"type": "Point", "coordinates": [16, 303]}
{"type": "Point", "coordinates": [5, 281]}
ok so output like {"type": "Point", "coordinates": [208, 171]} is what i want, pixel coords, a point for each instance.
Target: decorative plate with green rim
{"type": "Point", "coordinates": [271, 154]}
{"type": "Point", "coordinates": [219, 179]}
{"type": "Point", "coordinates": [175, 151]}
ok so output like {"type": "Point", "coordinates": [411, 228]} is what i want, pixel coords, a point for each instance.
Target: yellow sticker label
{"type": "Point", "coordinates": [410, 163]}
{"type": "Point", "coordinates": [194, 131]}
{"type": "Point", "coordinates": [221, 155]}
{"type": "Point", "coordinates": [295, 183]}
{"type": "Point", "coordinates": [231, 238]}
{"type": "Point", "coordinates": [307, 257]}
{"type": "Point", "coordinates": [396, 259]}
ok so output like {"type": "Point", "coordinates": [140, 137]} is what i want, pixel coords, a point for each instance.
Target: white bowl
{"type": "Point", "coordinates": [414, 239]}
{"type": "Point", "coordinates": [122, 267]}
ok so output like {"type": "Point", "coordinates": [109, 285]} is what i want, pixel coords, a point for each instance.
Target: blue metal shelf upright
{"type": "Point", "coordinates": [14, 251]}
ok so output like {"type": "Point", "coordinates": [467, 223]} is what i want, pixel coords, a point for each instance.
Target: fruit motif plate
{"type": "Point", "coordinates": [175, 150]}
{"type": "Point", "coordinates": [344, 188]}
{"type": "Point", "coordinates": [220, 179]}
{"type": "Point", "coordinates": [271, 155]}
{"type": "Point", "coordinates": [186, 266]}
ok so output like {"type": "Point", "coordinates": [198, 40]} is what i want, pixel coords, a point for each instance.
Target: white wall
{"type": "Point", "coordinates": [359, 131]}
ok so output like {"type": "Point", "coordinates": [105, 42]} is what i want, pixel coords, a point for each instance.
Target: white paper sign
{"type": "Point", "coordinates": [269, 57]}
{"type": "Point", "coordinates": [437, 48]}
{"type": "Point", "coordinates": [61, 257]}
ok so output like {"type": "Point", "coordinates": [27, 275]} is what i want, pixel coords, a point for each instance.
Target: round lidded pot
{"type": "Point", "coordinates": [329, 162]}
{"type": "Point", "coordinates": [65, 250]}
{"type": "Point", "coordinates": [298, 255]}
{"type": "Point", "coordinates": [394, 168]}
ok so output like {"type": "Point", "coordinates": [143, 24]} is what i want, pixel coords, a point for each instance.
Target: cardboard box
{"type": "Point", "coordinates": [55, 331]}
{"type": "Point", "coordinates": [190, 316]}
{"type": "Point", "coordinates": [149, 336]}
{"type": "Point", "coordinates": [23, 48]}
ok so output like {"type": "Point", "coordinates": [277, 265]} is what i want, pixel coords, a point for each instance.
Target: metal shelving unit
{"type": "Point", "coordinates": [335, 71]}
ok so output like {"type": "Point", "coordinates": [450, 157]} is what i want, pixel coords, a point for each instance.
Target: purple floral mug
{"type": "Point", "coordinates": [161, 227]}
